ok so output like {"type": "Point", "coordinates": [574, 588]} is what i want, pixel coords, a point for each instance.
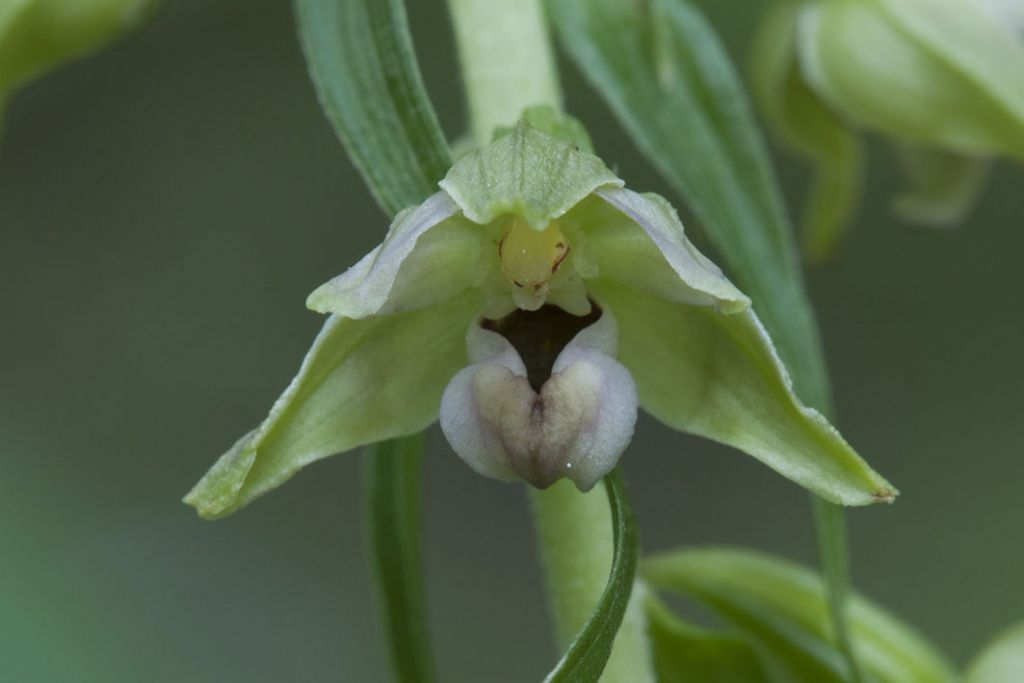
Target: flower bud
{"type": "Point", "coordinates": [933, 73]}
{"type": "Point", "coordinates": [37, 35]}
{"type": "Point", "coordinates": [515, 414]}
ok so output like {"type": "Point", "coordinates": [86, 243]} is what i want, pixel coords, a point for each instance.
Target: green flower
{"type": "Point", "coordinates": [532, 304]}
{"type": "Point", "coordinates": [941, 79]}
{"type": "Point", "coordinates": [38, 35]}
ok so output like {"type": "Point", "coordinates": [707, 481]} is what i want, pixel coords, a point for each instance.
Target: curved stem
{"type": "Point", "coordinates": [576, 544]}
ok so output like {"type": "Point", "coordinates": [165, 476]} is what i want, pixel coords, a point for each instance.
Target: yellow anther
{"type": "Point", "coordinates": [529, 258]}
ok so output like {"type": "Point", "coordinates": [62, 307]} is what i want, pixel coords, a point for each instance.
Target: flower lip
{"type": "Point", "coordinates": [575, 424]}
{"type": "Point", "coordinates": [539, 336]}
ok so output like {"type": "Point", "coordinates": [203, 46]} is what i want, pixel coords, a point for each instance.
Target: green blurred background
{"type": "Point", "coordinates": [165, 207]}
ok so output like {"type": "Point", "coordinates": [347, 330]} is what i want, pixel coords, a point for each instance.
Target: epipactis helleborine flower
{"type": "Point", "coordinates": [532, 304]}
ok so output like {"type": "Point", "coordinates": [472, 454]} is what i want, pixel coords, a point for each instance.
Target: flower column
{"type": "Point", "coordinates": [508, 65]}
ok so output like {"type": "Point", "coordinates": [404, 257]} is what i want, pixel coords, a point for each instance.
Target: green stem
{"type": "Point", "coordinates": [508, 65]}
{"type": "Point", "coordinates": [830, 529]}
{"type": "Point", "coordinates": [507, 61]}
{"type": "Point", "coordinates": [393, 511]}
{"type": "Point", "coordinates": [574, 531]}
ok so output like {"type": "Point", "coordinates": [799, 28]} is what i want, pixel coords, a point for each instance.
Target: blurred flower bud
{"type": "Point", "coordinates": [38, 35]}
{"type": "Point", "coordinates": [808, 128]}
{"type": "Point", "coordinates": [943, 79]}
{"type": "Point", "coordinates": [937, 73]}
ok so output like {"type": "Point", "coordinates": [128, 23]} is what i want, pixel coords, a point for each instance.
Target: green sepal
{"type": "Point", "coordinates": [1002, 660]}
{"type": "Point", "coordinates": [781, 608]}
{"type": "Point", "coordinates": [39, 35]}
{"type": "Point", "coordinates": [555, 123]}
{"type": "Point", "coordinates": [720, 377]}
{"type": "Point", "coordinates": [362, 381]}
{"type": "Point", "coordinates": [529, 173]}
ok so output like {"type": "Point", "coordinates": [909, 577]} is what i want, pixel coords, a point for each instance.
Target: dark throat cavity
{"type": "Point", "coordinates": [539, 336]}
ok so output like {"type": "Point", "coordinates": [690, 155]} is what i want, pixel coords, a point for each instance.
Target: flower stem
{"type": "Point", "coordinates": [833, 557]}
{"type": "Point", "coordinates": [508, 65]}
{"type": "Point", "coordinates": [507, 61]}
{"type": "Point", "coordinates": [574, 530]}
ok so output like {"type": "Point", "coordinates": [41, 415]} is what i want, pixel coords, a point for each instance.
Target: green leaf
{"type": "Point", "coordinates": [589, 652]}
{"type": "Point", "coordinates": [361, 382]}
{"type": "Point", "coordinates": [361, 58]}
{"type": "Point", "coordinates": [393, 508]}
{"type": "Point", "coordinates": [782, 608]}
{"type": "Point", "coordinates": [668, 79]}
{"type": "Point", "coordinates": [808, 129]}
{"type": "Point", "coordinates": [529, 173]}
{"type": "Point", "coordinates": [1002, 661]}
{"type": "Point", "coordinates": [687, 654]}
{"type": "Point", "coordinates": [966, 73]}
{"type": "Point", "coordinates": [718, 376]}
{"type": "Point", "coordinates": [39, 35]}
{"type": "Point", "coordinates": [944, 186]}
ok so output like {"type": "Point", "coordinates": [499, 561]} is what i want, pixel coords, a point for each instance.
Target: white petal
{"type": "Point", "coordinates": [639, 257]}
{"type": "Point", "coordinates": [1009, 14]}
{"type": "Point", "coordinates": [429, 255]}
{"type": "Point", "coordinates": [576, 427]}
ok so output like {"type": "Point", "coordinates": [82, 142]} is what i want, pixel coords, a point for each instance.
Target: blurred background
{"type": "Point", "coordinates": [166, 206]}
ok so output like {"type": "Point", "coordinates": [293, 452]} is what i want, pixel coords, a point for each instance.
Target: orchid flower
{"type": "Point", "coordinates": [533, 304]}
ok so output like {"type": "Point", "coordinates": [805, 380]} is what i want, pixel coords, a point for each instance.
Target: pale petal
{"type": "Point", "coordinates": [576, 427]}
{"type": "Point", "coordinates": [637, 239]}
{"type": "Point", "coordinates": [362, 381]}
{"type": "Point", "coordinates": [1007, 14]}
{"type": "Point", "coordinates": [429, 255]}
{"type": "Point", "coordinates": [718, 376]}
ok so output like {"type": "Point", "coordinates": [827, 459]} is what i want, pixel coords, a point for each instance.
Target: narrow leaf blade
{"type": "Point", "coordinates": [669, 81]}
{"type": "Point", "coordinates": [361, 59]}
{"type": "Point", "coordinates": [589, 652]}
